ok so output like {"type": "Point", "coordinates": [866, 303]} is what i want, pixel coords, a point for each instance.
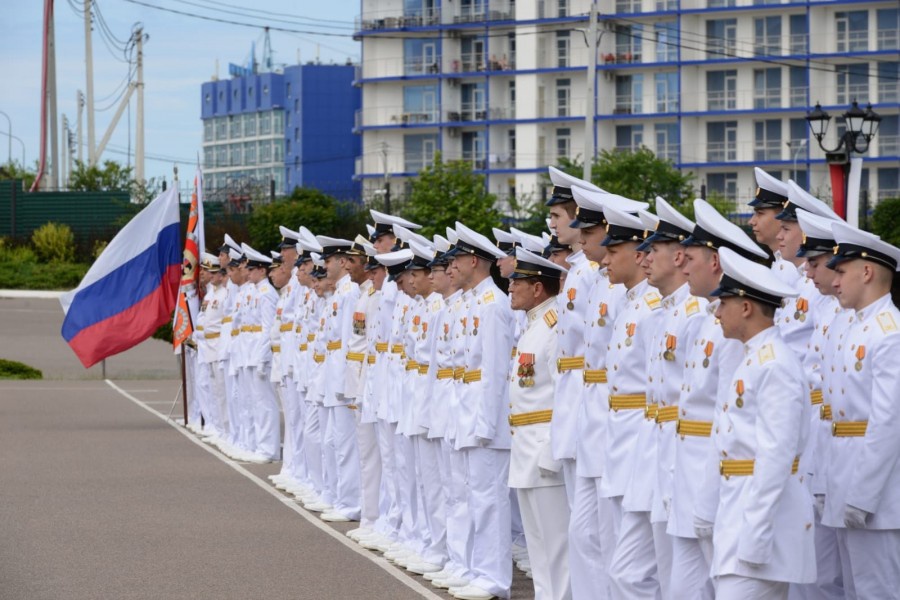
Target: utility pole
{"type": "Point", "coordinates": [64, 138]}
{"type": "Point", "coordinates": [53, 171]}
{"type": "Point", "coordinates": [387, 178]}
{"type": "Point", "coordinates": [79, 102]}
{"type": "Point", "coordinates": [591, 112]}
{"type": "Point", "coordinates": [139, 130]}
{"type": "Point", "coordinates": [89, 70]}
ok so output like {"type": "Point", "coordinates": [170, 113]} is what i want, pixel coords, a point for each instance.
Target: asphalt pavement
{"type": "Point", "coordinates": [102, 497]}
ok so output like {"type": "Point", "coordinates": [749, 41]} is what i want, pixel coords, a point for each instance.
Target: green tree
{"type": "Point", "coordinates": [318, 211]}
{"type": "Point", "coordinates": [638, 174]}
{"type": "Point", "coordinates": [886, 220]}
{"type": "Point", "coordinates": [110, 177]}
{"type": "Point", "coordinates": [15, 170]}
{"type": "Point", "coordinates": [446, 192]}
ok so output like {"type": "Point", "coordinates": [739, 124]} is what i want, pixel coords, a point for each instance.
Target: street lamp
{"type": "Point", "coordinates": [18, 139]}
{"type": "Point", "coordinates": [800, 146]}
{"type": "Point", "coordinates": [9, 122]}
{"type": "Point", "coordinates": [862, 125]}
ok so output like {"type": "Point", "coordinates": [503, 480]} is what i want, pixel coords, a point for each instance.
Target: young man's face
{"type": "Point", "coordinates": [205, 277]}
{"type": "Point", "coordinates": [384, 243]}
{"type": "Point", "coordinates": [789, 239]}
{"type": "Point", "coordinates": [440, 280]}
{"type": "Point", "coordinates": [730, 315]}
{"type": "Point", "coordinates": [700, 269]}
{"type": "Point", "coordinates": [256, 274]}
{"type": "Point", "coordinates": [849, 283]}
{"type": "Point", "coordinates": [333, 267]}
{"type": "Point", "coordinates": [622, 261]}
{"type": "Point", "coordinates": [660, 263]}
{"type": "Point", "coordinates": [506, 265]}
{"type": "Point", "coordinates": [559, 222]}
{"type": "Point", "coordinates": [378, 275]}
{"type": "Point", "coordinates": [355, 267]}
{"type": "Point", "coordinates": [280, 275]}
{"type": "Point", "coordinates": [766, 227]}
{"type": "Point", "coordinates": [420, 282]}
{"type": "Point", "coordinates": [821, 276]}
{"type": "Point", "coordinates": [591, 237]}
{"type": "Point", "coordinates": [559, 258]}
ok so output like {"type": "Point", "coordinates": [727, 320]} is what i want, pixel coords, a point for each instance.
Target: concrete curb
{"type": "Point", "coordinates": [39, 294]}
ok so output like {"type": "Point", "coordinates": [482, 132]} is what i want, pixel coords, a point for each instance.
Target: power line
{"type": "Point", "coordinates": [277, 14]}
{"type": "Point", "coordinates": [242, 13]}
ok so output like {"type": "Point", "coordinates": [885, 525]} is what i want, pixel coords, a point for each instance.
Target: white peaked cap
{"type": "Point", "coordinates": [648, 219]}
{"type": "Point", "coordinates": [317, 259]}
{"type": "Point", "coordinates": [408, 236]}
{"type": "Point", "coordinates": [421, 250]}
{"type": "Point", "coordinates": [743, 277]}
{"type": "Point", "coordinates": [441, 244]}
{"type": "Point", "coordinates": [668, 213]}
{"type": "Point", "coordinates": [713, 222]}
{"type": "Point", "coordinates": [386, 219]}
{"type": "Point", "coordinates": [476, 240]}
{"type": "Point", "coordinates": [229, 241]}
{"type": "Point", "coordinates": [528, 241]}
{"type": "Point", "coordinates": [452, 236]}
{"type": "Point", "coordinates": [389, 259]}
{"type": "Point", "coordinates": [288, 233]}
{"type": "Point", "coordinates": [809, 203]}
{"type": "Point", "coordinates": [252, 254]}
{"type": "Point", "coordinates": [563, 179]}
{"type": "Point", "coordinates": [209, 259]}
{"type": "Point", "coordinates": [503, 236]}
{"type": "Point", "coordinates": [855, 243]}
{"type": "Point", "coordinates": [234, 254]}
{"type": "Point", "coordinates": [370, 229]}
{"type": "Point", "coordinates": [534, 265]}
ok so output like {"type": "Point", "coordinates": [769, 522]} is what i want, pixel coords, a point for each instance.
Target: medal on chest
{"type": "Point", "coordinates": [860, 355]}
{"type": "Point", "coordinates": [671, 343]}
{"type": "Point", "coordinates": [571, 296]}
{"type": "Point", "coordinates": [526, 370]}
{"type": "Point", "coordinates": [334, 306]}
{"type": "Point", "coordinates": [604, 309]}
{"type": "Point", "coordinates": [474, 325]}
{"type": "Point", "coordinates": [739, 389]}
{"type": "Point", "coordinates": [802, 308]}
{"type": "Point", "coordinates": [359, 323]}
{"type": "Point", "coordinates": [707, 350]}
{"type": "Point", "coordinates": [630, 328]}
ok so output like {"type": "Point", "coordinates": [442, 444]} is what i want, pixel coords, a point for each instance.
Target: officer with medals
{"type": "Point", "coordinates": [533, 473]}
{"type": "Point", "coordinates": [862, 493]}
{"type": "Point", "coordinates": [207, 337]}
{"type": "Point", "coordinates": [763, 517]}
{"type": "Point", "coordinates": [710, 358]}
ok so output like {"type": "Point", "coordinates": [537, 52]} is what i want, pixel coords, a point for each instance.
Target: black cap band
{"type": "Point", "coordinates": [768, 199]}
{"type": "Point", "coordinates": [560, 195]}
{"type": "Point", "coordinates": [701, 237]}
{"type": "Point", "coordinates": [815, 245]}
{"type": "Point", "coordinates": [729, 286]}
{"type": "Point", "coordinates": [618, 234]}
{"type": "Point", "coordinates": [788, 212]}
{"type": "Point", "coordinates": [844, 252]}
{"type": "Point", "coordinates": [586, 217]}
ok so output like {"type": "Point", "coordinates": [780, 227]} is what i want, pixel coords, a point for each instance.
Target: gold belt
{"type": "Point", "coordinates": [251, 328]}
{"type": "Point", "coordinates": [331, 346]}
{"type": "Point", "coordinates": [228, 319]}
{"type": "Point", "coordinates": [650, 411]}
{"type": "Point", "coordinates": [381, 347]}
{"type": "Point", "coordinates": [740, 468]}
{"type": "Point", "coordinates": [285, 327]}
{"type": "Point", "coordinates": [628, 402]}
{"type": "Point", "coordinates": [531, 418]}
{"type": "Point", "coordinates": [445, 373]}
{"type": "Point", "coordinates": [370, 359]}
{"type": "Point", "coordinates": [412, 365]}
{"type": "Point", "coordinates": [276, 347]}
{"type": "Point", "coordinates": [304, 347]}
{"type": "Point", "coordinates": [594, 375]}
{"type": "Point", "coordinates": [211, 336]}
{"type": "Point", "coordinates": [459, 372]}
{"type": "Point", "coordinates": [815, 397]}
{"type": "Point", "coordinates": [397, 349]}
{"type": "Point", "coordinates": [299, 329]}
{"type": "Point", "coordinates": [693, 428]}
{"type": "Point", "coordinates": [573, 363]}
{"type": "Point", "coordinates": [849, 428]}
{"type": "Point", "coordinates": [235, 332]}
{"type": "Point", "coordinates": [825, 412]}
{"type": "Point", "coordinates": [472, 376]}
{"type": "Point", "coordinates": [664, 414]}
{"type": "Point", "coordinates": [513, 353]}
{"type": "Point", "coordinates": [356, 356]}
{"type": "Point", "coordinates": [199, 328]}
{"type": "Point", "coordinates": [319, 358]}
{"type": "Point", "coordinates": [310, 337]}
{"type": "Point", "coordinates": [423, 368]}
{"type": "Point", "coordinates": [352, 406]}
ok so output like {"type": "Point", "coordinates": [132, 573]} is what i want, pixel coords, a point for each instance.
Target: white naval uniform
{"type": "Point", "coordinates": [266, 412]}
{"type": "Point", "coordinates": [483, 433]}
{"type": "Point", "coordinates": [208, 341]}
{"type": "Point", "coordinates": [592, 538]}
{"type": "Point", "coordinates": [709, 362]}
{"type": "Point", "coordinates": [533, 473]}
{"type": "Point", "coordinates": [340, 430]}
{"type": "Point", "coordinates": [360, 347]}
{"type": "Point", "coordinates": [283, 378]}
{"type": "Point", "coordinates": [241, 367]}
{"type": "Point", "coordinates": [863, 472]}
{"type": "Point", "coordinates": [226, 361]}
{"type": "Point", "coordinates": [766, 517]}
{"type": "Point", "coordinates": [316, 420]}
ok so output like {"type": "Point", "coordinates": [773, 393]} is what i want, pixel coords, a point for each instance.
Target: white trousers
{"type": "Point", "coordinates": [829, 583]}
{"type": "Point", "coordinates": [459, 538]}
{"type": "Point", "coordinates": [369, 472]}
{"type": "Point", "coordinates": [219, 397]}
{"type": "Point", "coordinates": [288, 396]}
{"type": "Point", "coordinates": [515, 515]}
{"type": "Point", "coordinates": [545, 518]}
{"type": "Point", "coordinates": [244, 400]}
{"type": "Point", "coordinates": [870, 561]}
{"type": "Point", "coordinates": [266, 415]}
{"type": "Point", "coordinates": [690, 571]}
{"type": "Point", "coordinates": [406, 488]}
{"type": "Point", "coordinates": [193, 376]}
{"type": "Point", "coordinates": [662, 545]}
{"type": "Point", "coordinates": [433, 504]}
{"type": "Point", "coordinates": [312, 448]}
{"type": "Point", "coordinates": [488, 500]}
{"type": "Point", "coordinates": [633, 572]}
{"type": "Point", "coordinates": [340, 437]}
{"type": "Point", "coordinates": [388, 508]}
{"type": "Point", "coordinates": [735, 587]}
{"type": "Point", "coordinates": [232, 386]}
{"type": "Point", "coordinates": [586, 560]}
{"type": "Point", "coordinates": [329, 463]}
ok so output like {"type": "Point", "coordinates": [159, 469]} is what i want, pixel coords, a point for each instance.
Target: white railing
{"type": "Point", "coordinates": [853, 41]}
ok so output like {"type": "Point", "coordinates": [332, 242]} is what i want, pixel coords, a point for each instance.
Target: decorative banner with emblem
{"type": "Point", "coordinates": [187, 306]}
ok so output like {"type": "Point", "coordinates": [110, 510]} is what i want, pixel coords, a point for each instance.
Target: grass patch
{"type": "Point", "coordinates": [41, 276]}
{"type": "Point", "coordinates": [10, 369]}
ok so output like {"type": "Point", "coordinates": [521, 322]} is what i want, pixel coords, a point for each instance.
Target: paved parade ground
{"type": "Point", "coordinates": [101, 497]}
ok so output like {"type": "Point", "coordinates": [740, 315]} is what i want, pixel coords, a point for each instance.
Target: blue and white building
{"type": "Point", "coordinates": [293, 127]}
{"type": "Point", "coordinates": [717, 86]}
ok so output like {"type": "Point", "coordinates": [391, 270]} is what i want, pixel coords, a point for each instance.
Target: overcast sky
{"type": "Point", "coordinates": [180, 55]}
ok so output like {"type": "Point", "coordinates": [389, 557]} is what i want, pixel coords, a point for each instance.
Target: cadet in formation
{"type": "Point", "coordinates": [660, 408]}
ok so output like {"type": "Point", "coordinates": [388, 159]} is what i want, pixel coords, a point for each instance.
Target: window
{"type": "Point", "coordinates": [629, 92]}
{"type": "Point", "coordinates": [277, 151]}
{"type": "Point", "coordinates": [473, 58]}
{"type": "Point", "coordinates": [420, 56]}
{"type": "Point", "coordinates": [511, 145]}
{"type": "Point", "coordinates": [250, 153]}
{"type": "Point", "coordinates": [222, 155]}
{"type": "Point", "coordinates": [799, 33]}
{"type": "Point", "coordinates": [287, 146]}
{"type": "Point", "coordinates": [722, 184]}
{"type": "Point", "coordinates": [721, 141]}
{"type": "Point", "coordinates": [666, 92]}
{"type": "Point", "coordinates": [664, 5]}
{"type": "Point", "coordinates": [667, 141]}
{"type": "Point", "coordinates": [208, 130]}
{"type": "Point", "coordinates": [628, 43]}
{"type": "Point", "coordinates": [852, 82]}
{"type": "Point", "coordinates": [888, 136]}
{"type": "Point", "coordinates": [420, 104]}
{"type": "Point", "coordinates": [563, 6]}
{"type": "Point", "coordinates": [767, 140]}
{"type": "Point", "coordinates": [221, 128]}
{"type": "Point", "coordinates": [852, 31]}
{"type": "Point", "coordinates": [277, 122]}
{"type": "Point", "coordinates": [418, 152]}
{"type": "Point", "coordinates": [296, 134]}
{"type": "Point", "coordinates": [721, 90]}
{"type": "Point", "coordinates": [721, 35]}
{"type": "Point", "coordinates": [628, 6]}
{"type": "Point", "coordinates": [473, 149]}
{"type": "Point", "coordinates": [767, 88]}
{"type": "Point", "coordinates": [563, 142]}
{"type": "Point", "coordinates": [562, 49]}
{"type": "Point", "coordinates": [207, 98]}
{"type": "Point", "coordinates": [234, 126]}
{"type": "Point", "coordinates": [888, 82]}
{"type": "Point", "coordinates": [767, 36]}
{"type": "Point", "coordinates": [888, 29]}
{"type": "Point", "coordinates": [512, 99]}
{"type": "Point", "coordinates": [798, 86]}
{"type": "Point", "coordinates": [235, 152]}
{"type": "Point", "coordinates": [250, 125]}
{"type": "Point", "coordinates": [563, 95]}
{"type": "Point", "coordinates": [473, 102]}
{"type": "Point", "coordinates": [888, 183]}
{"type": "Point", "coordinates": [265, 123]}
{"type": "Point", "coordinates": [209, 157]}
{"type": "Point", "coordinates": [629, 137]}
{"type": "Point", "coordinates": [265, 152]}
{"type": "Point", "coordinates": [666, 41]}
{"type": "Point", "coordinates": [250, 92]}
{"type": "Point", "coordinates": [297, 105]}
{"type": "Point", "coordinates": [287, 89]}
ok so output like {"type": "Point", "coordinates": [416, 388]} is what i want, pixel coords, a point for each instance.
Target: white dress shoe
{"type": "Point", "coordinates": [318, 507]}
{"type": "Point", "coordinates": [422, 568]}
{"type": "Point", "coordinates": [448, 582]}
{"type": "Point", "coordinates": [443, 573]}
{"type": "Point", "coordinates": [471, 592]}
{"type": "Point", "coordinates": [334, 517]}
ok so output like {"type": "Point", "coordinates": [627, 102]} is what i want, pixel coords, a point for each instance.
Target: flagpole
{"type": "Point", "coordinates": [184, 387]}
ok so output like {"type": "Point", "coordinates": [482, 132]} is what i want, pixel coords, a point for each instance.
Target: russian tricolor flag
{"type": "Point", "coordinates": [130, 289]}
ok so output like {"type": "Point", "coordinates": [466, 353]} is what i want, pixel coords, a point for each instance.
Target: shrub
{"type": "Point", "coordinates": [886, 220]}
{"type": "Point", "coordinates": [10, 369]}
{"type": "Point", "coordinates": [54, 242]}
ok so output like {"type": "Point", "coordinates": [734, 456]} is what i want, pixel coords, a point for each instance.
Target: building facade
{"type": "Point", "coordinates": [292, 127]}
{"type": "Point", "coordinates": [717, 86]}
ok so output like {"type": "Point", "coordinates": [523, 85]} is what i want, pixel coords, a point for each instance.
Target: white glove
{"type": "Point", "coordinates": [752, 565]}
{"type": "Point", "coordinates": [819, 505]}
{"type": "Point", "coordinates": [546, 472]}
{"type": "Point", "coordinates": [854, 518]}
{"type": "Point", "coordinates": [482, 441]}
{"type": "Point", "coordinates": [702, 528]}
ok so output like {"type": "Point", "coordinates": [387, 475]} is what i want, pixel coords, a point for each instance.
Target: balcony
{"type": "Point", "coordinates": [888, 39]}
{"type": "Point", "coordinates": [798, 43]}
{"type": "Point", "coordinates": [766, 98]}
{"type": "Point", "coordinates": [476, 159]}
{"type": "Point", "coordinates": [376, 21]}
{"type": "Point", "coordinates": [667, 151]}
{"type": "Point", "coordinates": [394, 116]}
{"type": "Point", "coordinates": [667, 103]}
{"type": "Point", "coordinates": [626, 104]}
{"type": "Point", "coordinates": [888, 145]}
{"type": "Point", "coordinates": [413, 162]}
{"type": "Point", "coordinates": [767, 150]}
{"type": "Point", "coordinates": [721, 151]}
{"type": "Point", "coordinates": [848, 93]}
{"type": "Point", "coordinates": [420, 66]}
{"type": "Point", "coordinates": [721, 48]}
{"type": "Point", "coordinates": [721, 100]}
{"type": "Point", "coordinates": [853, 41]}
{"type": "Point", "coordinates": [628, 6]}
{"type": "Point", "coordinates": [888, 194]}
{"type": "Point", "coordinates": [888, 91]}
{"type": "Point", "coordinates": [472, 112]}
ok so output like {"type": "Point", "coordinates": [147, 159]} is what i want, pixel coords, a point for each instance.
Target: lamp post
{"type": "Point", "coordinates": [862, 125]}
{"type": "Point", "coordinates": [18, 139]}
{"type": "Point", "coordinates": [9, 122]}
{"type": "Point", "coordinates": [796, 152]}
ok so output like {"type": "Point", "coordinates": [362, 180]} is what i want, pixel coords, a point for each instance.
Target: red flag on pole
{"type": "Point", "coordinates": [194, 244]}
